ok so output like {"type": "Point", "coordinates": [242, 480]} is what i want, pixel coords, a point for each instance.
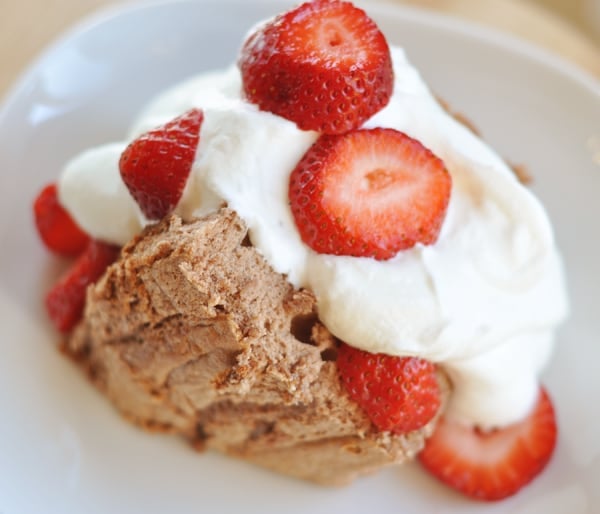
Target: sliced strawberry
{"type": "Point", "coordinates": [400, 394]}
{"type": "Point", "coordinates": [369, 193]}
{"type": "Point", "coordinates": [323, 65]}
{"type": "Point", "coordinates": [55, 226]}
{"type": "Point", "coordinates": [492, 465]}
{"type": "Point", "coordinates": [155, 167]}
{"type": "Point", "coordinates": [66, 299]}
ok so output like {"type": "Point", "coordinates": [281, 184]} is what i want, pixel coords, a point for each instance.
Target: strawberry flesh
{"type": "Point", "coordinates": [155, 167]}
{"type": "Point", "coordinates": [324, 65]}
{"type": "Point", "coordinates": [56, 227]}
{"type": "Point", "coordinates": [492, 465]}
{"type": "Point", "coordinates": [369, 193]}
{"type": "Point", "coordinates": [66, 300]}
{"type": "Point", "coordinates": [399, 394]}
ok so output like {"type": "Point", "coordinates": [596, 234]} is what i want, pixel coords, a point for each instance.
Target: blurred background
{"type": "Point", "coordinates": [582, 13]}
{"type": "Point", "coordinates": [570, 28]}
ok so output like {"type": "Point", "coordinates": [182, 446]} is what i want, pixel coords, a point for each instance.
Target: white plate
{"type": "Point", "coordinates": [64, 449]}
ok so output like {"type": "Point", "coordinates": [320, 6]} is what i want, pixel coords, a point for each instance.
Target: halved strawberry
{"type": "Point", "coordinates": [369, 193]}
{"type": "Point", "coordinates": [323, 65]}
{"type": "Point", "coordinates": [66, 299]}
{"type": "Point", "coordinates": [55, 226]}
{"type": "Point", "coordinates": [400, 394]}
{"type": "Point", "coordinates": [155, 167]}
{"type": "Point", "coordinates": [496, 464]}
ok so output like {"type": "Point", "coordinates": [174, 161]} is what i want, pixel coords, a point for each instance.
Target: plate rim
{"type": "Point", "coordinates": [450, 23]}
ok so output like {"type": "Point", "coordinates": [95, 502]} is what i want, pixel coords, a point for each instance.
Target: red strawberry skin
{"type": "Point", "coordinates": [399, 394]}
{"type": "Point", "coordinates": [324, 65]}
{"type": "Point", "coordinates": [56, 228]}
{"type": "Point", "coordinates": [492, 465]}
{"type": "Point", "coordinates": [65, 301]}
{"type": "Point", "coordinates": [369, 193]}
{"type": "Point", "coordinates": [155, 167]}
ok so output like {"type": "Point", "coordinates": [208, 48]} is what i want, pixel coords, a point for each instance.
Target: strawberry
{"type": "Point", "coordinates": [400, 394]}
{"type": "Point", "coordinates": [66, 299]}
{"type": "Point", "coordinates": [55, 226]}
{"type": "Point", "coordinates": [368, 193]}
{"type": "Point", "coordinates": [155, 167]}
{"type": "Point", "coordinates": [324, 65]}
{"type": "Point", "coordinates": [496, 464]}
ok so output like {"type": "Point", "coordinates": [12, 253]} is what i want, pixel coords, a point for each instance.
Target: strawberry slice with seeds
{"type": "Point", "coordinates": [66, 299]}
{"type": "Point", "coordinates": [399, 394]}
{"type": "Point", "coordinates": [496, 464]}
{"type": "Point", "coordinates": [56, 227]}
{"type": "Point", "coordinates": [155, 167]}
{"type": "Point", "coordinates": [369, 193]}
{"type": "Point", "coordinates": [324, 65]}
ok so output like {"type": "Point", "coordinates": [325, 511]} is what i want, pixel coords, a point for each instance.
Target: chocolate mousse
{"type": "Point", "coordinates": [192, 332]}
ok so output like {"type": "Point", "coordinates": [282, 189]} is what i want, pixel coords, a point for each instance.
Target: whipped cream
{"type": "Point", "coordinates": [483, 301]}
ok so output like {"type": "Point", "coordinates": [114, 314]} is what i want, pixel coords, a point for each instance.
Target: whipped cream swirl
{"type": "Point", "coordinates": [483, 301]}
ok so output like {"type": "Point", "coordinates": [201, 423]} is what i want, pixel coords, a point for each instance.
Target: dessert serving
{"type": "Point", "coordinates": [306, 262]}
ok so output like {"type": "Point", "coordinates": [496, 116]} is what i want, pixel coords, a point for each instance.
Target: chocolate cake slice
{"type": "Point", "coordinates": [192, 332]}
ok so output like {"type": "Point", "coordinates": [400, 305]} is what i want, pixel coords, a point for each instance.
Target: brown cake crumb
{"type": "Point", "coordinates": [522, 173]}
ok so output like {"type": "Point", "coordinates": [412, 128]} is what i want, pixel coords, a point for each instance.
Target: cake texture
{"type": "Point", "coordinates": [192, 332]}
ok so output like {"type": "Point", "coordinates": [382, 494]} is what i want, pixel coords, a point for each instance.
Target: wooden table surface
{"type": "Point", "coordinates": [27, 26]}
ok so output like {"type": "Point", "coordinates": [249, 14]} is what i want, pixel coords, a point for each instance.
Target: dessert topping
{"type": "Point", "coordinates": [55, 225]}
{"type": "Point", "coordinates": [400, 394]}
{"type": "Point", "coordinates": [496, 464]}
{"type": "Point", "coordinates": [65, 301]}
{"type": "Point", "coordinates": [155, 167]}
{"type": "Point", "coordinates": [324, 65]}
{"type": "Point", "coordinates": [369, 193]}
